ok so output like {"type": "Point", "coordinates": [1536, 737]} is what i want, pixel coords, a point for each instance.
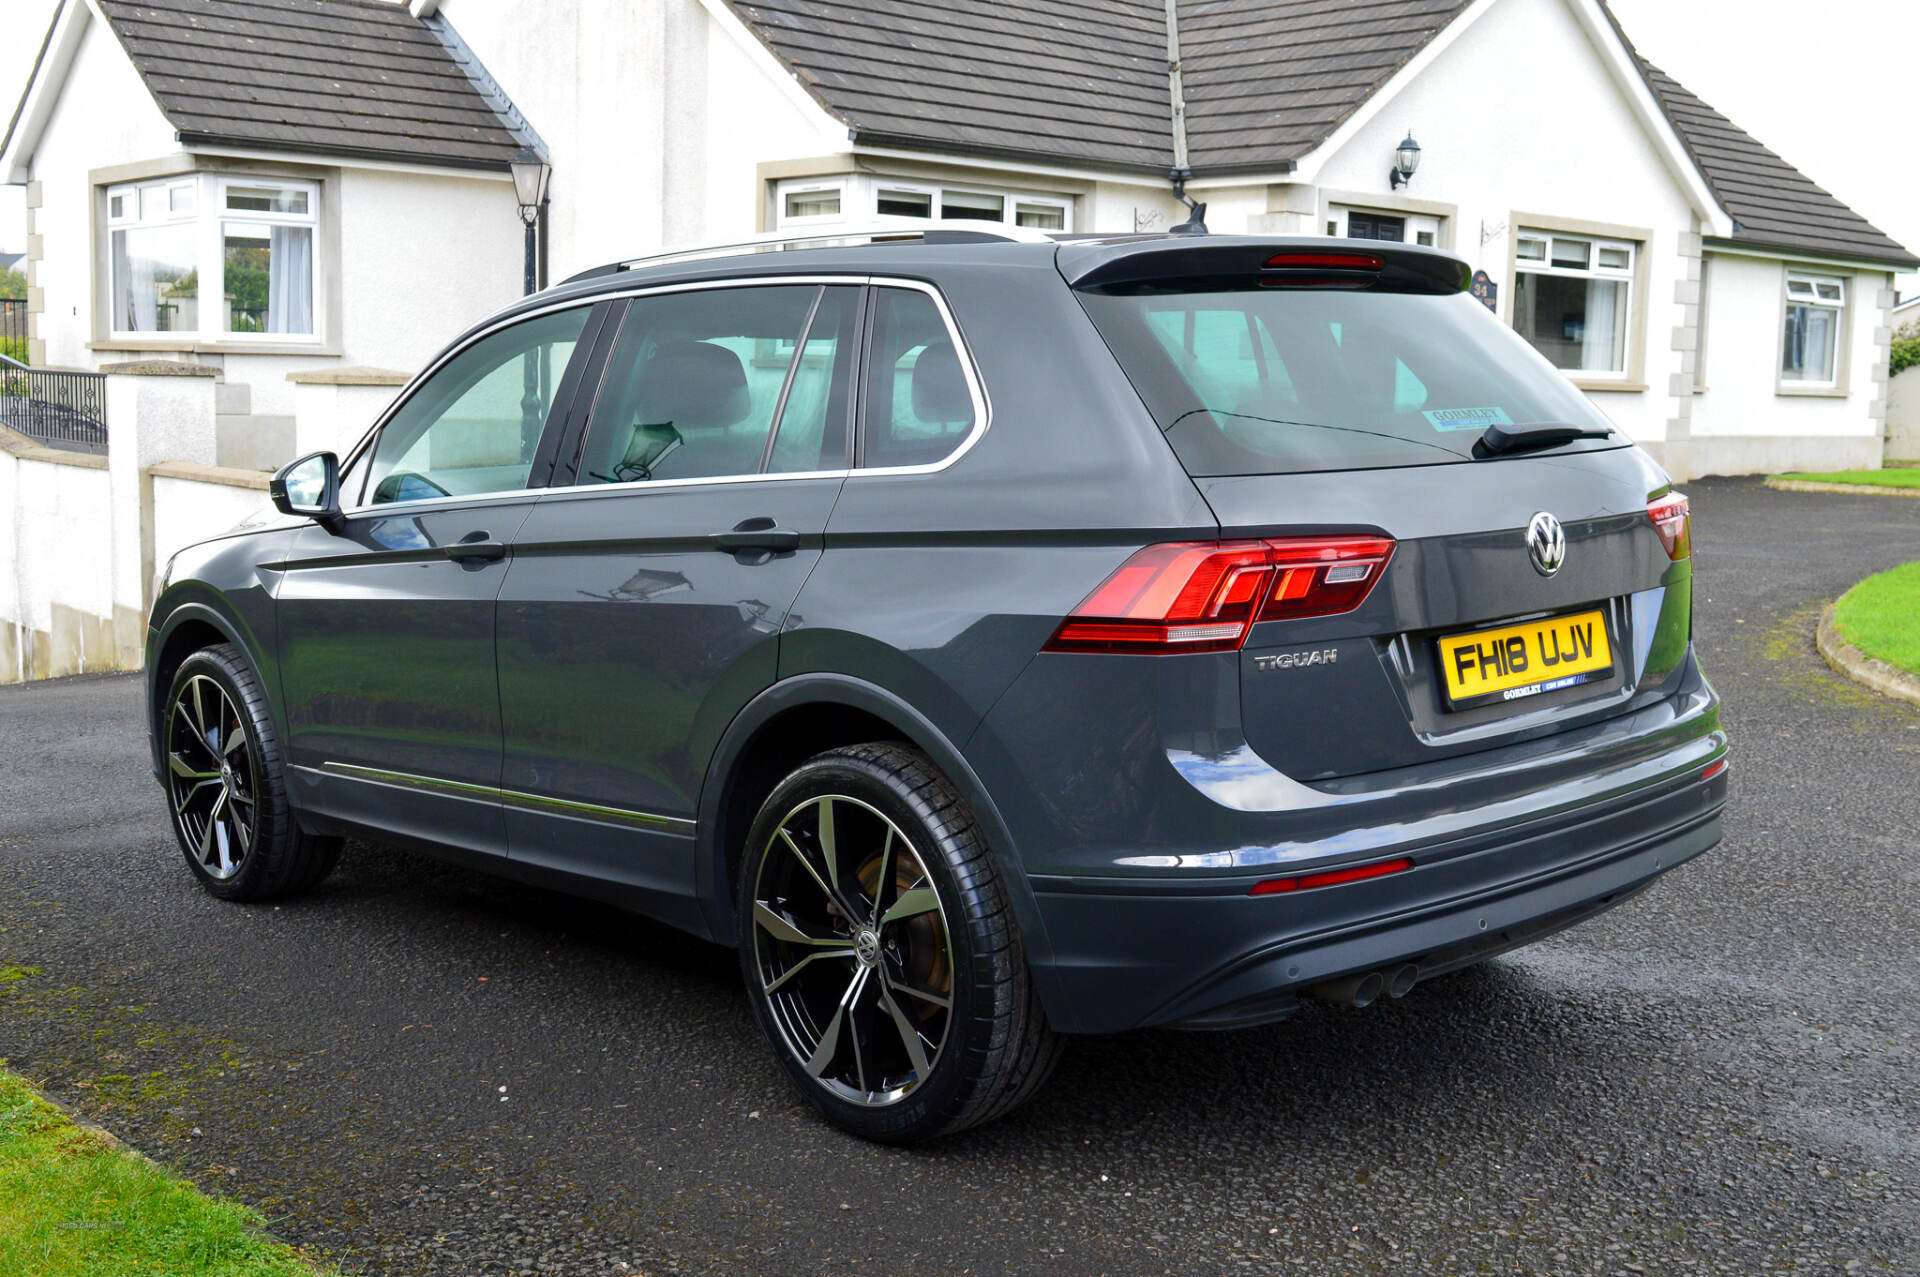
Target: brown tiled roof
{"type": "Point", "coordinates": [1268, 82]}
{"type": "Point", "coordinates": [1265, 82]}
{"type": "Point", "coordinates": [333, 77]}
{"type": "Point", "coordinates": [1772, 203]}
{"type": "Point", "coordinates": [1076, 80]}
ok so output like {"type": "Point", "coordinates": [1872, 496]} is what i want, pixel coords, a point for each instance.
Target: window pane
{"type": "Point", "coordinates": [813, 203]}
{"type": "Point", "coordinates": [180, 199]}
{"type": "Point", "coordinates": [153, 203]}
{"type": "Point", "coordinates": [967, 206]}
{"type": "Point", "coordinates": [1613, 257]}
{"type": "Point", "coordinates": [1578, 324]}
{"type": "Point", "coordinates": [1423, 238]}
{"type": "Point", "coordinates": [813, 428]}
{"type": "Point", "coordinates": [692, 384]}
{"type": "Point", "coordinates": [1532, 250]}
{"type": "Point", "coordinates": [267, 199]}
{"type": "Point", "coordinates": [117, 206]}
{"type": "Point", "coordinates": [906, 204]}
{"type": "Point", "coordinates": [1799, 288]}
{"type": "Point", "coordinates": [269, 278]}
{"type": "Point", "coordinates": [1368, 380]}
{"type": "Point", "coordinates": [1829, 291]}
{"type": "Point", "coordinates": [1572, 253]}
{"type": "Point", "coordinates": [1045, 217]}
{"type": "Point", "coordinates": [918, 405]}
{"type": "Point", "coordinates": [155, 286]}
{"type": "Point", "coordinates": [1808, 352]}
{"type": "Point", "coordinates": [1376, 226]}
{"type": "Point", "coordinates": [474, 425]}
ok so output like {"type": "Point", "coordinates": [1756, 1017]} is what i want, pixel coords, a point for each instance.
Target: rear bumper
{"type": "Point", "coordinates": [1125, 955]}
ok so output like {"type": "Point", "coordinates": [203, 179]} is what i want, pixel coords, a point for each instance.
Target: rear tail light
{"type": "Point", "coordinates": [1673, 520]}
{"type": "Point", "coordinates": [1206, 596]}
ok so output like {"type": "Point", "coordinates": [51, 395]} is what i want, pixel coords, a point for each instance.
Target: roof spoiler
{"type": "Point", "coordinates": [1242, 261]}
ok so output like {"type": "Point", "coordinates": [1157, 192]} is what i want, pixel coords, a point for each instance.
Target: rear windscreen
{"type": "Point", "coordinates": [1279, 380]}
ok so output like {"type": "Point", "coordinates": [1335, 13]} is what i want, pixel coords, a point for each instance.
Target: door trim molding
{"type": "Point", "coordinates": [514, 798]}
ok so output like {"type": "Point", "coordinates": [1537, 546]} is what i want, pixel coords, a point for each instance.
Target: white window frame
{"type": "Point", "coordinates": [1544, 265]}
{"type": "Point", "coordinates": [209, 218]}
{"type": "Point", "coordinates": [860, 202]}
{"type": "Point", "coordinates": [1810, 284]}
{"type": "Point", "coordinates": [1414, 225]}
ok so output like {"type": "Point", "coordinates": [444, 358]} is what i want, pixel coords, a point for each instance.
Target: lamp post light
{"type": "Point", "coordinates": [1406, 158]}
{"type": "Point", "coordinates": [530, 176]}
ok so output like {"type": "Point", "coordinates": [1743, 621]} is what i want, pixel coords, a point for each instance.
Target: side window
{"type": "Point", "coordinates": [918, 406]}
{"type": "Point", "coordinates": [695, 383]}
{"type": "Point", "coordinates": [474, 425]}
{"type": "Point", "coordinates": [813, 426]}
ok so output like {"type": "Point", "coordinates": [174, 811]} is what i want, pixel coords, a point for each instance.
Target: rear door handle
{"type": "Point", "coordinates": [476, 547]}
{"type": "Point", "coordinates": [756, 534]}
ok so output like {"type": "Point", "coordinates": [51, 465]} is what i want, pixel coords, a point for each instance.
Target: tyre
{"type": "Point", "coordinates": [226, 784]}
{"type": "Point", "coordinates": [880, 955]}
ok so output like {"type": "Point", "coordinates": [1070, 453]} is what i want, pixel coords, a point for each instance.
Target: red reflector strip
{"type": "Point", "coordinates": [1331, 877]}
{"type": "Point", "coordinates": [1714, 769]}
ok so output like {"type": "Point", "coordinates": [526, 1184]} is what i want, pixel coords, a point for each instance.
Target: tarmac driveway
{"type": "Point", "coordinates": [424, 1071]}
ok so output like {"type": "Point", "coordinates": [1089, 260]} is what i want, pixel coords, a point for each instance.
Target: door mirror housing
{"type": "Point", "coordinates": [309, 488]}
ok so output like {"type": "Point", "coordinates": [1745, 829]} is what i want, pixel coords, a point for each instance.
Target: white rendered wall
{"type": "Point", "coordinates": [56, 587]}
{"type": "Point", "coordinates": [1903, 416]}
{"type": "Point", "coordinates": [1745, 313]}
{"type": "Point", "coordinates": [607, 85]}
{"type": "Point", "coordinates": [1520, 114]}
{"type": "Point", "coordinates": [104, 117]}
{"type": "Point", "coordinates": [186, 511]}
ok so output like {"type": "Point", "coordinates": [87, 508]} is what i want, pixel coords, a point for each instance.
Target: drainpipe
{"type": "Point", "coordinates": [1180, 174]}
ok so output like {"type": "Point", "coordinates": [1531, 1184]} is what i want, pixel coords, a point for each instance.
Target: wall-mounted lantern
{"type": "Point", "coordinates": [530, 176]}
{"type": "Point", "coordinates": [1406, 158]}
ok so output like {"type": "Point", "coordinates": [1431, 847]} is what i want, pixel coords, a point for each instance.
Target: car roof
{"type": "Point", "coordinates": [1084, 261]}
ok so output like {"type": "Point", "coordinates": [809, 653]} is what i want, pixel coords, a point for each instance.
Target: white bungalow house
{"type": "Point", "coordinates": [287, 186]}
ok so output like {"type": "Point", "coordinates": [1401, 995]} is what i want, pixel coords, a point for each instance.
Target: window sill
{"type": "Point", "coordinates": [150, 345]}
{"type": "Point", "coordinates": [1809, 392]}
{"type": "Point", "coordinates": [1601, 383]}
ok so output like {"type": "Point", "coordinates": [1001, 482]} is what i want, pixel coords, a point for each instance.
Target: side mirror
{"type": "Point", "coordinates": [309, 487]}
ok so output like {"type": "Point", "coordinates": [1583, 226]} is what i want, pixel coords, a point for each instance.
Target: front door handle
{"type": "Point", "coordinates": [476, 547]}
{"type": "Point", "coordinates": [756, 534]}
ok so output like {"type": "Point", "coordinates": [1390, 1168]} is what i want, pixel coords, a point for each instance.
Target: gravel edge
{"type": "Point", "coordinates": [1863, 489]}
{"type": "Point", "coordinates": [1868, 671]}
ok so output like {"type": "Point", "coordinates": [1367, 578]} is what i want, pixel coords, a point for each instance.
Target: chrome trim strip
{"type": "Point", "coordinates": [976, 391]}
{"type": "Point", "coordinates": [513, 798]}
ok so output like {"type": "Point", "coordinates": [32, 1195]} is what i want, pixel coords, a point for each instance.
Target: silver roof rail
{"type": "Point", "coordinates": [869, 233]}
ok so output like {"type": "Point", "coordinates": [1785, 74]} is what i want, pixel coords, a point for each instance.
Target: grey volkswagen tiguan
{"type": "Point", "coordinates": [993, 640]}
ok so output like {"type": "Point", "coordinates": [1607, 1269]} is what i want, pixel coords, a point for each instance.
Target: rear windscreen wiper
{"type": "Point", "coordinates": [1501, 437]}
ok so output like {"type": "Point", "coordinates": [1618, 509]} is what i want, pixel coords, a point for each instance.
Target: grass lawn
{"type": "Point", "coordinates": [71, 1204]}
{"type": "Point", "coordinates": [1881, 617]}
{"type": "Point", "coordinates": [1901, 478]}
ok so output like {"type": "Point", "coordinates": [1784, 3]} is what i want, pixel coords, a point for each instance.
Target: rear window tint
{"type": "Point", "coordinates": [919, 405]}
{"type": "Point", "coordinates": [1277, 381]}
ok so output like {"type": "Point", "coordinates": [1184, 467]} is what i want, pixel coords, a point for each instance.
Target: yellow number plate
{"type": "Point", "coordinates": [1525, 660]}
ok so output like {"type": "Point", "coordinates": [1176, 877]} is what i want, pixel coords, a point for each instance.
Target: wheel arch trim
{"type": "Point", "coordinates": [846, 692]}
{"type": "Point", "coordinates": [195, 610]}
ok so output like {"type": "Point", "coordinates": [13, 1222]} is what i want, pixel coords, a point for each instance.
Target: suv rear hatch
{"type": "Point", "coordinates": [1322, 393]}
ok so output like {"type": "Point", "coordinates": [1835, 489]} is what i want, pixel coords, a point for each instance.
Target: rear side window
{"type": "Point", "coordinates": [919, 405]}
{"type": "Point", "coordinates": [724, 382]}
{"type": "Point", "coordinates": [1276, 381]}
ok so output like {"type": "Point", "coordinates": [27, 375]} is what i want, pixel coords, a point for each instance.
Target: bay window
{"type": "Point", "coordinates": [1810, 348]}
{"type": "Point", "coordinates": [1572, 296]}
{"type": "Point", "coordinates": [823, 202]}
{"type": "Point", "coordinates": [212, 257]}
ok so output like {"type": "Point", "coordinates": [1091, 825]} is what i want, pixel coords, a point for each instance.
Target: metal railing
{"type": "Point", "coordinates": [13, 328]}
{"type": "Point", "coordinates": [59, 409]}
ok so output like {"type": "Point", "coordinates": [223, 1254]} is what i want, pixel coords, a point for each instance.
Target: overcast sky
{"type": "Point", "coordinates": [1792, 73]}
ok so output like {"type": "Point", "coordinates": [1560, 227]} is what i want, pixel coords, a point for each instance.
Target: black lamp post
{"type": "Point", "coordinates": [1406, 158]}
{"type": "Point", "coordinates": [530, 176]}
